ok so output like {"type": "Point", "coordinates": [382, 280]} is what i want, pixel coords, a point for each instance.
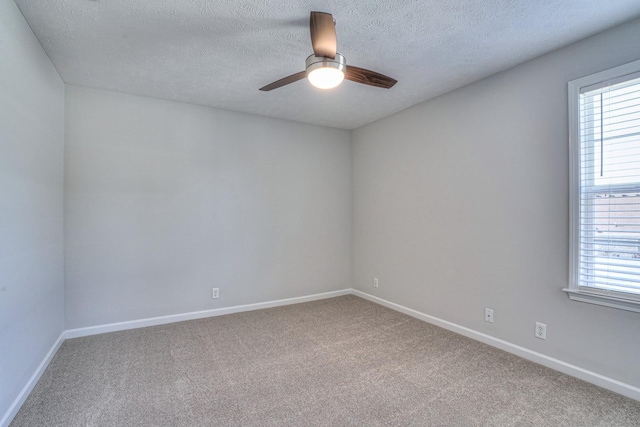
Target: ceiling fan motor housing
{"type": "Point", "coordinates": [314, 62]}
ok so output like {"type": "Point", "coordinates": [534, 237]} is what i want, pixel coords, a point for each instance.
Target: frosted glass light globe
{"type": "Point", "coordinates": [326, 77]}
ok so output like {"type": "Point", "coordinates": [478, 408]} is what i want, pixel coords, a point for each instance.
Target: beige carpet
{"type": "Point", "coordinates": [342, 361]}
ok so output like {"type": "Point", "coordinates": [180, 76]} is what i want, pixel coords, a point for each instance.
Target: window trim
{"type": "Point", "coordinates": [576, 292]}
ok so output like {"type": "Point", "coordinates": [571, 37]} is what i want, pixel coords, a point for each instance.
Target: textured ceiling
{"type": "Point", "coordinates": [219, 52]}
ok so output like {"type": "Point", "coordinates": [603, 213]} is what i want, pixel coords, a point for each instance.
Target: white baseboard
{"type": "Point", "coordinates": [550, 362]}
{"type": "Point", "coordinates": [24, 393]}
{"type": "Point", "coordinates": [161, 320]}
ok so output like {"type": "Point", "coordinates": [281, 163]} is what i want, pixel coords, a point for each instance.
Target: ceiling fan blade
{"type": "Point", "coordinates": [285, 81]}
{"type": "Point", "coordinates": [368, 77]}
{"type": "Point", "coordinates": [323, 34]}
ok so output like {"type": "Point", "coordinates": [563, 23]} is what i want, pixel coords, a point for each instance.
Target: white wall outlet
{"type": "Point", "coordinates": [375, 282]}
{"type": "Point", "coordinates": [541, 331]}
{"type": "Point", "coordinates": [215, 294]}
{"type": "Point", "coordinates": [488, 315]}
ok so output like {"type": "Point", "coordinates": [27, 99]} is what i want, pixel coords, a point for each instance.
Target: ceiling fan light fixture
{"type": "Point", "coordinates": [326, 68]}
{"type": "Point", "coordinates": [326, 77]}
{"type": "Point", "coordinates": [324, 72]}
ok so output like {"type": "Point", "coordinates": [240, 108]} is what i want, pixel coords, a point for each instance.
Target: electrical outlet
{"type": "Point", "coordinates": [488, 315]}
{"type": "Point", "coordinates": [215, 294]}
{"type": "Point", "coordinates": [375, 282]}
{"type": "Point", "coordinates": [541, 331]}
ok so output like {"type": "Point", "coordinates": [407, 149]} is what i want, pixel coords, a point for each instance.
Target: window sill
{"type": "Point", "coordinates": [605, 300]}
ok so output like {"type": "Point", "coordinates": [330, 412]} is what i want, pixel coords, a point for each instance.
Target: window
{"type": "Point", "coordinates": [604, 119]}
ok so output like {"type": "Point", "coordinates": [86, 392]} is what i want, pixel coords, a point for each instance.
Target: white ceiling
{"type": "Point", "coordinates": [219, 52]}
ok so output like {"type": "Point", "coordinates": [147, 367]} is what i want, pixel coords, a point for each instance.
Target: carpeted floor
{"type": "Point", "coordinates": [341, 361]}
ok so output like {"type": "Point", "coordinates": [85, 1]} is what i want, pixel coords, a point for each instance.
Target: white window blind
{"type": "Point", "coordinates": [609, 188]}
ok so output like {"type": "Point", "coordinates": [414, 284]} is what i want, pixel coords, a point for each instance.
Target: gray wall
{"type": "Point", "coordinates": [461, 203]}
{"type": "Point", "coordinates": [164, 201]}
{"type": "Point", "coordinates": [31, 178]}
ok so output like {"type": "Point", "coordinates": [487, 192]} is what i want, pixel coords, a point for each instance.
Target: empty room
{"type": "Point", "coordinates": [319, 213]}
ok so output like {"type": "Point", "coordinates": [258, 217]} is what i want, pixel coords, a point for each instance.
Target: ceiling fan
{"type": "Point", "coordinates": [326, 68]}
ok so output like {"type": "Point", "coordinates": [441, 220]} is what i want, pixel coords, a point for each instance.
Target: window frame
{"type": "Point", "coordinates": [599, 296]}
